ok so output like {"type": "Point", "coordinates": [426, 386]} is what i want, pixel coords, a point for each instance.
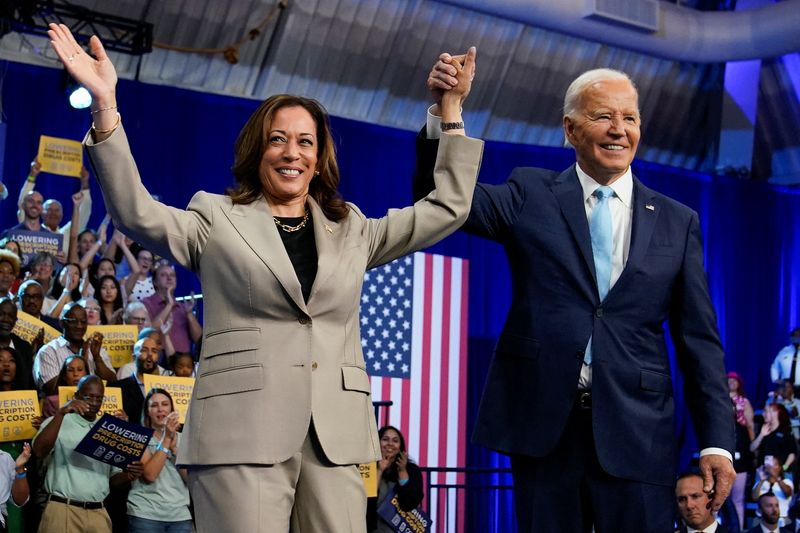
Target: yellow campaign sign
{"type": "Point", "coordinates": [27, 327]}
{"type": "Point", "coordinates": [118, 342]}
{"type": "Point", "coordinates": [179, 388]}
{"type": "Point", "coordinates": [60, 156]}
{"type": "Point", "coordinates": [112, 401]}
{"type": "Point", "coordinates": [17, 409]}
{"type": "Point", "coordinates": [369, 475]}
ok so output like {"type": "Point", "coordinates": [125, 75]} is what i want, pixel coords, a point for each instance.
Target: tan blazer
{"type": "Point", "coordinates": [271, 362]}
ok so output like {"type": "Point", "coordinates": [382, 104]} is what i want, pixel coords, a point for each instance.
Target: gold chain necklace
{"type": "Point", "coordinates": [290, 229]}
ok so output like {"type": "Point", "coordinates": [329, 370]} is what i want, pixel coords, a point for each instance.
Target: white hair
{"type": "Point", "coordinates": [575, 90]}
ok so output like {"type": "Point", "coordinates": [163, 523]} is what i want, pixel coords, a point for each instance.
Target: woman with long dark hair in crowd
{"type": "Point", "coordinates": [109, 296]}
{"type": "Point", "coordinates": [158, 502]}
{"type": "Point", "coordinates": [776, 438]}
{"type": "Point", "coordinates": [281, 259]}
{"type": "Point", "coordinates": [743, 461]}
{"type": "Point", "coordinates": [397, 474]}
{"type": "Point", "coordinates": [73, 369]}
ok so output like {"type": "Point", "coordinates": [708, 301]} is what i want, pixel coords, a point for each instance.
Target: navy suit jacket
{"type": "Point", "coordinates": [539, 217]}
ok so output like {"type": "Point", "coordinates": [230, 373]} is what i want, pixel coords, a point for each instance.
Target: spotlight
{"type": "Point", "coordinates": [79, 97]}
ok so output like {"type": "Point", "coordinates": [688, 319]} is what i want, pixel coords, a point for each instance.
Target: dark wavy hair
{"type": "Point", "coordinates": [252, 141]}
{"type": "Point", "coordinates": [391, 472]}
{"type": "Point", "coordinates": [62, 374]}
{"type": "Point", "coordinates": [94, 267]}
{"type": "Point", "coordinates": [57, 288]}
{"type": "Point", "coordinates": [19, 382]}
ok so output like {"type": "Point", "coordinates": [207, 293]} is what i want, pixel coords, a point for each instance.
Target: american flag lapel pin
{"type": "Point", "coordinates": [650, 207]}
{"type": "Point", "coordinates": [328, 229]}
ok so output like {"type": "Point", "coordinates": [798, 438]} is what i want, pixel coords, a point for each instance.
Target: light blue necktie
{"type": "Point", "coordinates": [602, 246]}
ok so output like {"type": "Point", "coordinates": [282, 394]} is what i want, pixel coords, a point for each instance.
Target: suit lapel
{"type": "Point", "coordinates": [254, 223]}
{"type": "Point", "coordinates": [567, 190]}
{"type": "Point", "coordinates": [644, 216]}
{"type": "Point", "coordinates": [329, 240]}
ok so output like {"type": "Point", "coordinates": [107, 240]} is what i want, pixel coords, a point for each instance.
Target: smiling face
{"type": "Point", "coordinates": [32, 299]}
{"type": "Point", "coordinates": [74, 324]}
{"type": "Point", "coordinates": [53, 213]}
{"type": "Point", "coordinates": [92, 311]}
{"type": "Point", "coordinates": [605, 129]}
{"type": "Point", "coordinates": [147, 359]}
{"type": "Point", "coordinates": [158, 408]}
{"type": "Point", "coordinates": [290, 157]}
{"type": "Point", "coordinates": [106, 268]}
{"type": "Point", "coordinates": [145, 260]}
{"type": "Point", "coordinates": [32, 205]}
{"type": "Point", "coordinates": [391, 444]}
{"type": "Point", "coordinates": [86, 240]}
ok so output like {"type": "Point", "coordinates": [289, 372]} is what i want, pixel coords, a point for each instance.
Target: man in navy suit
{"type": "Point", "coordinates": [579, 391]}
{"type": "Point", "coordinates": [770, 515]}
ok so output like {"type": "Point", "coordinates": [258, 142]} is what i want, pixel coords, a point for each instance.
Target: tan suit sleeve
{"type": "Point", "coordinates": [436, 216]}
{"type": "Point", "coordinates": [171, 232]}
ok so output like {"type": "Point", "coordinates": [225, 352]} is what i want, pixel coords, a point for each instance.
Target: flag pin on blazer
{"type": "Point", "coordinates": [651, 207]}
{"type": "Point", "coordinates": [328, 229]}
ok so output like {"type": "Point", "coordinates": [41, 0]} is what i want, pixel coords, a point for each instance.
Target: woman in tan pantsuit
{"type": "Point", "coordinates": [281, 410]}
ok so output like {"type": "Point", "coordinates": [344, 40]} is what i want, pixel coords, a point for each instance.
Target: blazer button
{"type": "Point", "coordinates": [314, 365]}
{"type": "Point", "coordinates": [304, 320]}
{"type": "Point", "coordinates": [579, 354]}
{"type": "Point", "coordinates": [599, 312]}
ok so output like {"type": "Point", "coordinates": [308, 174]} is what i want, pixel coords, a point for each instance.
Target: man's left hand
{"type": "Point", "coordinates": [718, 476]}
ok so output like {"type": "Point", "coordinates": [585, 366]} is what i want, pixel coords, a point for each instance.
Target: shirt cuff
{"type": "Point", "coordinates": [717, 451]}
{"type": "Point", "coordinates": [433, 125]}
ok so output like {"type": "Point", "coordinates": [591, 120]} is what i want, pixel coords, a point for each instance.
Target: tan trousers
{"type": "Point", "coordinates": [62, 518]}
{"type": "Point", "coordinates": [305, 494]}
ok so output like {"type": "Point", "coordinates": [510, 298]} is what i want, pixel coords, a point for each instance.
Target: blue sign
{"type": "Point", "coordinates": [115, 441]}
{"type": "Point", "coordinates": [413, 521]}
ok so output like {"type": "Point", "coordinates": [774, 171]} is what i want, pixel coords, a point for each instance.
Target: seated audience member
{"type": "Point", "coordinates": [13, 247]}
{"type": "Point", "coordinates": [159, 500]}
{"type": "Point", "coordinates": [110, 299]}
{"type": "Point", "coordinates": [23, 350]}
{"type": "Point", "coordinates": [13, 483]}
{"type": "Point", "coordinates": [770, 512]}
{"type": "Point", "coordinates": [67, 287]}
{"type": "Point", "coordinates": [770, 478]}
{"type": "Point", "coordinates": [785, 365]}
{"type": "Point", "coordinates": [143, 285]}
{"type": "Point", "coordinates": [162, 307]}
{"type": "Point", "coordinates": [784, 395]}
{"type": "Point", "coordinates": [745, 433]}
{"type": "Point", "coordinates": [75, 483]}
{"type": "Point", "coordinates": [72, 371]}
{"type": "Point", "coordinates": [53, 354]}
{"type": "Point", "coordinates": [775, 438]}
{"type": "Point", "coordinates": [162, 343]}
{"type": "Point", "coordinates": [136, 314]}
{"type": "Point", "coordinates": [182, 365]}
{"type": "Point", "coordinates": [93, 310]}
{"type": "Point", "coordinates": [145, 354]}
{"type": "Point", "coordinates": [694, 506]}
{"type": "Point", "coordinates": [396, 474]}
{"type": "Point", "coordinates": [9, 271]}
{"type": "Point", "coordinates": [41, 267]}
{"type": "Point", "coordinates": [30, 299]}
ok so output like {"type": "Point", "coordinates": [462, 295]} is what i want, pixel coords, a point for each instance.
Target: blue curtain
{"type": "Point", "coordinates": [183, 142]}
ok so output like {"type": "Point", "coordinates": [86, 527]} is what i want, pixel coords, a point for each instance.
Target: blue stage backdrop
{"type": "Point", "coordinates": [183, 142]}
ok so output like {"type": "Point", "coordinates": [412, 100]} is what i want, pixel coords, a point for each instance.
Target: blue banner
{"type": "Point", "coordinates": [115, 441]}
{"type": "Point", "coordinates": [414, 521]}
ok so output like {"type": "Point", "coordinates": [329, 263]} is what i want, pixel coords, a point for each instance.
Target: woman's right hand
{"type": "Point", "coordinates": [96, 73]}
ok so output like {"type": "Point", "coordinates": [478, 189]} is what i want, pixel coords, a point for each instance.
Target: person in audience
{"type": "Point", "coordinates": [163, 345]}
{"type": "Point", "coordinates": [66, 288]}
{"type": "Point", "coordinates": [77, 484]}
{"type": "Point", "coordinates": [396, 475]}
{"type": "Point", "coordinates": [784, 394]}
{"type": "Point", "coordinates": [775, 438]}
{"type": "Point", "coordinates": [159, 501]}
{"type": "Point", "coordinates": [770, 477]}
{"type": "Point", "coordinates": [770, 511]}
{"type": "Point", "coordinates": [110, 299]}
{"type": "Point", "coordinates": [145, 353]}
{"type": "Point", "coordinates": [785, 365]}
{"type": "Point", "coordinates": [183, 365]}
{"type": "Point", "coordinates": [53, 354]}
{"type": "Point", "coordinates": [23, 350]}
{"type": "Point", "coordinates": [285, 168]}
{"type": "Point", "coordinates": [9, 271]}
{"type": "Point", "coordinates": [694, 506]}
{"type": "Point", "coordinates": [31, 211]}
{"type": "Point", "coordinates": [136, 314]}
{"type": "Point", "coordinates": [163, 309]}
{"type": "Point", "coordinates": [41, 267]}
{"type": "Point", "coordinates": [93, 310]}
{"type": "Point", "coordinates": [13, 483]}
{"type": "Point", "coordinates": [13, 247]}
{"type": "Point", "coordinates": [72, 371]}
{"type": "Point", "coordinates": [143, 279]}
{"type": "Point", "coordinates": [745, 433]}
{"type": "Point", "coordinates": [129, 283]}
{"type": "Point", "coordinates": [30, 299]}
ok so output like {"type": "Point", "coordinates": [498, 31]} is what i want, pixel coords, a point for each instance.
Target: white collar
{"type": "Point", "coordinates": [623, 186]}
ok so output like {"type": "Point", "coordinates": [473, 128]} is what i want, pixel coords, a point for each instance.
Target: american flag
{"type": "Point", "coordinates": [414, 339]}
